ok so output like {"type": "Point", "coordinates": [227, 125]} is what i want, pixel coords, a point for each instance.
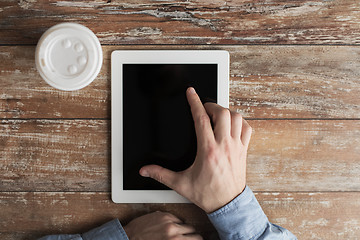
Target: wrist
{"type": "Point", "coordinates": [217, 203]}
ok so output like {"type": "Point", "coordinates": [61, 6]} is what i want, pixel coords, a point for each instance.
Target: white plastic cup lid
{"type": "Point", "coordinates": [68, 56]}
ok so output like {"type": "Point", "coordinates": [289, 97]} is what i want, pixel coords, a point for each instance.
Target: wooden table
{"type": "Point", "coordinates": [294, 74]}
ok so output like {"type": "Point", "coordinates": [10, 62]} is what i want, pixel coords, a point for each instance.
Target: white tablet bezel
{"type": "Point", "coordinates": [219, 57]}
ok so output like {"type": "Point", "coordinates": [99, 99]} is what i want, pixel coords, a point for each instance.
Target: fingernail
{"type": "Point", "coordinates": [192, 90]}
{"type": "Point", "coordinates": [144, 173]}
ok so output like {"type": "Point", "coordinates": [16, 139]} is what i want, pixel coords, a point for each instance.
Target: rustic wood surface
{"type": "Point", "coordinates": [314, 215]}
{"type": "Point", "coordinates": [73, 155]}
{"type": "Point", "coordinates": [197, 21]}
{"type": "Point", "coordinates": [294, 73]}
{"type": "Point", "coordinates": [265, 82]}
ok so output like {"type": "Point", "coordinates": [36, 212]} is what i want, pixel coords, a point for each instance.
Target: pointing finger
{"type": "Point", "coordinates": [203, 129]}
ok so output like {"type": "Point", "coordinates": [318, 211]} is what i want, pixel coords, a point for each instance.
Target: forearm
{"type": "Point", "coordinates": [243, 218]}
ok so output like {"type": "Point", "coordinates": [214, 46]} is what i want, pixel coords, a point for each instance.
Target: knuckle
{"type": "Point", "coordinates": [164, 218]}
{"type": "Point", "coordinates": [161, 216]}
{"type": "Point", "coordinates": [237, 117]}
{"type": "Point", "coordinates": [167, 217]}
{"type": "Point", "coordinates": [170, 229]}
{"type": "Point", "coordinates": [158, 177]}
{"type": "Point", "coordinates": [226, 146]}
{"type": "Point", "coordinates": [249, 129]}
{"type": "Point", "coordinates": [203, 119]}
{"type": "Point", "coordinates": [211, 152]}
{"type": "Point", "coordinates": [225, 142]}
{"type": "Point", "coordinates": [224, 113]}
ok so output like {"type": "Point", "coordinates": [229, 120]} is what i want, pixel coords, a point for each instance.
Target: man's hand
{"type": "Point", "coordinates": [159, 226]}
{"type": "Point", "coordinates": [218, 173]}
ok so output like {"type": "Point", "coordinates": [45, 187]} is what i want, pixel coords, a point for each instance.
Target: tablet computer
{"type": "Point", "coordinates": [151, 121]}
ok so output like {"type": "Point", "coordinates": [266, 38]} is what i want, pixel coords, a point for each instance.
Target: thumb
{"type": "Point", "coordinates": [160, 174]}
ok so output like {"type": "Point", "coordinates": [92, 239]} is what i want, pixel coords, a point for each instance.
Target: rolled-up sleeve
{"type": "Point", "coordinates": [243, 218]}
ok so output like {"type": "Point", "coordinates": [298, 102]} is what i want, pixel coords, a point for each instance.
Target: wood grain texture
{"type": "Point", "coordinates": [24, 94]}
{"type": "Point", "coordinates": [309, 215]}
{"type": "Point", "coordinates": [188, 22]}
{"type": "Point", "coordinates": [265, 82]}
{"type": "Point", "coordinates": [55, 213]}
{"type": "Point", "coordinates": [60, 155]}
{"type": "Point", "coordinates": [55, 145]}
{"type": "Point", "coordinates": [74, 155]}
{"type": "Point", "coordinates": [314, 215]}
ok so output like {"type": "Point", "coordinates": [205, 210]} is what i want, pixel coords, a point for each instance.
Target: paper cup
{"type": "Point", "coordinates": [68, 56]}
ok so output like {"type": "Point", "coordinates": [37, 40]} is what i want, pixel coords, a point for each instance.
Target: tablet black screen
{"type": "Point", "coordinates": [157, 122]}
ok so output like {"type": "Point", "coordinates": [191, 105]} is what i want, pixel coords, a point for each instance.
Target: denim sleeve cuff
{"type": "Point", "coordinates": [62, 237]}
{"type": "Point", "coordinates": [109, 231]}
{"type": "Point", "coordinates": [242, 218]}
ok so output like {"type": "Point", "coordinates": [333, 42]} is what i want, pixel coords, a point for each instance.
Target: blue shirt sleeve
{"type": "Point", "coordinates": [109, 231]}
{"type": "Point", "coordinates": [244, 219]}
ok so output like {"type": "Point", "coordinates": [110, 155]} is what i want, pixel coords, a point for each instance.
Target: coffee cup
{"type": "Point", "coordinates": [68, 56]}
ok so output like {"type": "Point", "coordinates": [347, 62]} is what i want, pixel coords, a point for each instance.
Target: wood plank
{"type": "Point", "coordinates": [304, 156]}
{"type": "Point", "coordinates": [310, 215]}
{"type": "Point", "coordinates": [295, 81]}
{"type": "Point", "coordinates": [60, 155]}
{"type": "Point", "coordinates": [24, 94]}
{"type": "Point", "coordinates": [188, 22]}
{"type": "Point", "coordinates": [51, 212]}
{"type": "Point", "coordinates": [74, 155]}
{"type": "Point", "coordinates": [314, 215]}
{"type": "Point", "coordinates": [265, 82]}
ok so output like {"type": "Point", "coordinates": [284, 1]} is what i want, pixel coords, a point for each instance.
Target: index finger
{"type": "Point", "coordinates": [202, 123]}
